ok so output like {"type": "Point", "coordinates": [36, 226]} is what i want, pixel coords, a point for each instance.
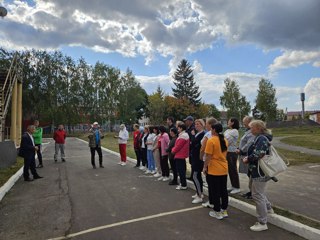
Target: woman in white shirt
{"type": "Point", "coordinates": [150, 158]}
{"type": "Point", "coordinates": [232, 135]}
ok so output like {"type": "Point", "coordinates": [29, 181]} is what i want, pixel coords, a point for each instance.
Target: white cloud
{"type": "Point", "coordinates": [291, 59]}
{"type": "Point", "coordinates": [168, 27]}
{"type": "Point", "coordinates": [312, 92]}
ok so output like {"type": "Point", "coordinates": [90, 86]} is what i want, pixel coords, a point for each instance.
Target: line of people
{"type": "Point", "coordinates": [212, 153]}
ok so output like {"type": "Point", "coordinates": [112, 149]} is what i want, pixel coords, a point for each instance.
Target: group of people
{"type": "Point", "coordinates": [31, 146]}
{"type": "Point", "coordinates": [159, 149]}
{"type": "Point", "coordinates": [211, 152]}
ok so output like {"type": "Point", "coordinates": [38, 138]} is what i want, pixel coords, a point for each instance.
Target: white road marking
{"type": "Point", "coordinates": [125, 222]}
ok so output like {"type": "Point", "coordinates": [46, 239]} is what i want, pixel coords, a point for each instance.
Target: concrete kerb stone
{"type": "Point", "coordinates": [275, 219]}
{"type": "Point", "coordinates": [10, 183]}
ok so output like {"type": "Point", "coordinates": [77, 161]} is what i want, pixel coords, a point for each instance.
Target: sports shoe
{"type": "Point", "coordinates": [153, 172]}
{"type": "Point", "coordinates": [207, 205]}
{"type": "Point", "coordinates": [258, 227]}
{"type": "Point", "coordinates": [165, 179]}
{"type": "Point", "coordinates": [157, 175]}
{"type": "Point", "coordinates": [224, 213]}
{"type": "Point", "coordinates": [270, 211]}
{"type": "Point", "coordinates": [216, 215]}
{"type": "Point", "coordinates": [173, 182]}
{"type": "Point", "coordinates": [194, 196]}
{"type": "Point", "coordinates": [120, 163]}
{"type": "Point", "coordinates": [123, 164]}
{"type": "Point", "coordinates": [141, 167]}
{"type": "Point", "coordinates": [179, 187]}
{"type": "Point", "coordinates": [101, 166]}
{"type": "Point", "coordinates": [235, 191]}
{"type": "Point", "coordinates": [160, 178]}
{"type": "Point", "coordinates": [147, 172]}
{"type": "Point", "coordinates": [230, 189]}
{"type": "Point", "coordinates": [197, 200]}
{"type": "Point", "coordinates": [63, 160]}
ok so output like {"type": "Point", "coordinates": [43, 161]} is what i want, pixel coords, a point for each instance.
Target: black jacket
{"type": "Point", "coordinates": [27, 149]}
{"type": "Point", "coordinates": [196, 162]}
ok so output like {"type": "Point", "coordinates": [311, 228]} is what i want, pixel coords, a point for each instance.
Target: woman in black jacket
{"type": "Point", "coordinates": [173, 137]}
{"type": "Point", "coordinates": [196, 162]}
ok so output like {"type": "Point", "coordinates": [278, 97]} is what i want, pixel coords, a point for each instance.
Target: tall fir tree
{"type": "Point", "coordinates": [266, 101]}
{"type": "Point", "coordinates": [185, 86]}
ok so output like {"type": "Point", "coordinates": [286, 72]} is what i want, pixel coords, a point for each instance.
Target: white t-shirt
{"type": "Point", "coordinates": [150, 140]}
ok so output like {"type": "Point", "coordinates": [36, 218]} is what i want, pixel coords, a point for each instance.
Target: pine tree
{"type": "Point", "coordinates": [266, 102]}
{"type": "Point", "coordinates": [185, 86]}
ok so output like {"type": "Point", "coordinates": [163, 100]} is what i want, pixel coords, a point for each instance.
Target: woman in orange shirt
{"type": "Point", "coordinates": [216, 168]}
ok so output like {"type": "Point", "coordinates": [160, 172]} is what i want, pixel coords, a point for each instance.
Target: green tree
{"type": "Point", "coordinates": [232, 100]}
{"type": "Point", "coordinates": [156, 107]}
{"type": "Point", "coordinates": [185, 86]}
{"type": "Point", "coordinates": [266, 101]}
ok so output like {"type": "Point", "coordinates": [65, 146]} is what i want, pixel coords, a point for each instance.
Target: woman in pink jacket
{"type": "Point", "coordinates": [181, 151]}
{"type": "Point", "coordinates": [163, 145]}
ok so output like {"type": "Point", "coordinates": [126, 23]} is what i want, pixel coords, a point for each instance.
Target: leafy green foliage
{"type": "Point", "coordinates": [266, 102]}
{"type": "Point", "coordinates": [232, 100]}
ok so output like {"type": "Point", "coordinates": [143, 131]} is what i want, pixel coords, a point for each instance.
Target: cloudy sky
{"type": "Point", "coordinates": [245, 40]}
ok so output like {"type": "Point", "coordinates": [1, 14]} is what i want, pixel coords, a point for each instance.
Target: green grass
{"type": "Point", "coordinates": [112, 143]}
{"type": "Point", "coordinates": [297, 158]}
{"type": "Point", "coordinates": [304, 130]}
{"type": "Point", "coordinates": [307, 141]}
{"type": "Point", "coordinates": [6, 173]}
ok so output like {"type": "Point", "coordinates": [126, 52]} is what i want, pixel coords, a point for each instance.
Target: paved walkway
{"type": "Point", "coordinates": [276, 141]}
{"type": "Point", "coordinates": [112, 203]}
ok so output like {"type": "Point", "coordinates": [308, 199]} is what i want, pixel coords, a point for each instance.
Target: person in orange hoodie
{"type": "Point", "coordinates": [59, 137]}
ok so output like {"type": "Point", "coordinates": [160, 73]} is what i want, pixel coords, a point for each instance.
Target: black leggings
{"type": "Point", "coordinates": [218, 187]}
{"type": "Point", "coordinates": [164, 166]}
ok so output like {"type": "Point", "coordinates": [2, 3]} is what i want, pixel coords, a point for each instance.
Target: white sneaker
{"type": "Point", "coordinates": [141, 168]}
{"type": "Point", "coordinates": [179, 187]}
{"type": "Point", "coordinates": [235, 191]}
{"type": "Point", "coordinates": [224, 213]}
{"type": "Point", "coordinates": [147, 172]}
{"type": "Point", "coordinates": [165, 179]}
{"type": "Point", "coordinates": [258, 227]}
{"type": "Point", "coordinates": [123, 164]}
{"type": "Point", "coordinates": [160, 178]}
{"type": "Point", "coordinates": [194, 196]}
{"type": "Point", "coordinates": [153, 172]}
{"type": "Point", "coordinates": [157, 175]}
{"type": "Point", "coordinates": [197, 200]}
{"type": "Point", "coordinates": [120, 163]}
{"type": "Point", "coordinates": [216, 215]}
{"type": "Point", "coordinates": [230, 189]}
{"type": "Point", "coordinates": [207, 205]}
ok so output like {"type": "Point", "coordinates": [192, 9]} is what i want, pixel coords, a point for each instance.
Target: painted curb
{"type": "Point", "coordinates": [10, 183]}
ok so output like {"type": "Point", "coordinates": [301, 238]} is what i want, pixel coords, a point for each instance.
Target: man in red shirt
{"type": "Point", "coordinates": [59, 138]}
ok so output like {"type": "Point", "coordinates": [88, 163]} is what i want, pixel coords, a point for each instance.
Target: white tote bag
{"type": "Point", "coordinates": [272, 164]}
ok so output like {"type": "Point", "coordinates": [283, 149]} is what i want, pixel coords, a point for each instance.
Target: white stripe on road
{"type": "Point", "coordinates": [125, 222]}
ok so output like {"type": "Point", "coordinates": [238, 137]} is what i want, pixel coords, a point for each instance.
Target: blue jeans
{"type": "Point", "coordinates": [151, 163]}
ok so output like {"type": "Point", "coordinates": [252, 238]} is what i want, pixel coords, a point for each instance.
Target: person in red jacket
{"type": "Point", "coordinates": [59, 138]}
{"type": "Point", "coordinates": [181, 151]}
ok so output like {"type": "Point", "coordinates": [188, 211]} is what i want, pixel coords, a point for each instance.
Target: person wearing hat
{"type": "Point", "coordinates": [122, 140]}
{"type": "Point", "coordinates": [95, 137]}
{"type": "Point", "coordinates": [189, 122]}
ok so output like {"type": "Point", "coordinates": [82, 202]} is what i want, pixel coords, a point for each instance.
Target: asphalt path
{"type": "Point", "coordinates": [114, 202]}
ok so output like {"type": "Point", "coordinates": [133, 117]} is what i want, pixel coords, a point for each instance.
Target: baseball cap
{"type": "Point", "coordinates": [190, 118]}
{"type": "Point", "coordinates": [95, 123]}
